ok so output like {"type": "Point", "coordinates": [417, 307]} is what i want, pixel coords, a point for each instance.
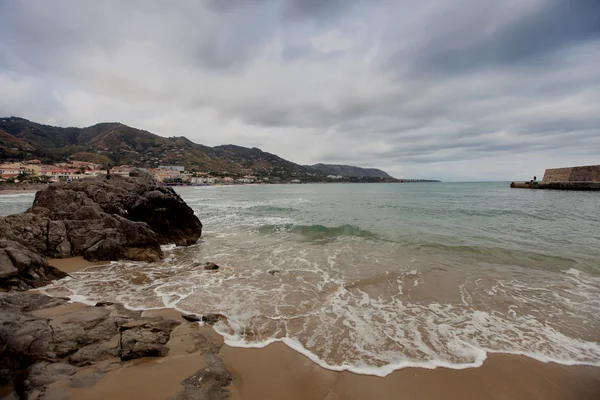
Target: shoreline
{"type": "Point", "coordinates": [278, 371]}
{"type": "Point", "coordinates": [17, 191]}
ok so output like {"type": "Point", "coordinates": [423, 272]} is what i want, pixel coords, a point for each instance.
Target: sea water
{"type": "Point", "coordinates": [375, 277]}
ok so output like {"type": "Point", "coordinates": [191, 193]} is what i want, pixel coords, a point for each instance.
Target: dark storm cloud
{"type": "Point", "coordinates": [530, 36]}
{"type": "Point", "coordinates": [427, 88]}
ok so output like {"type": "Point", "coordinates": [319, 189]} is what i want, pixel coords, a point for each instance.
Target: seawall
{"type": "Point", "coordinates": [589, 173]}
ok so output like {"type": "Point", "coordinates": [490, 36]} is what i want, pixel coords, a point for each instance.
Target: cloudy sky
{"type": "Point", "coordinates": [448, 89]}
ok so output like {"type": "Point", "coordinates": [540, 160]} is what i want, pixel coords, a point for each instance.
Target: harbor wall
{"type": "Point", "coordinates": [589, 173]}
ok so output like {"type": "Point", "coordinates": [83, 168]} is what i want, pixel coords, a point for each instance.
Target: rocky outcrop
{"type": "Point", "coordinates": [22, 269]}
{"type": "Point", "coordinates": [102, 219]}
{"type": "Point", "coordinates": [37, 350]}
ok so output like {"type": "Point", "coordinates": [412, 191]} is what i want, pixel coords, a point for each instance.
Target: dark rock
{"type": "Point", "coordinates": [147, 340]}
{"type": "Point", "coordinates": [273, 271]}
{"type": "Point", "coordinates": [23, 269]}
{"type": "Point", "coordinates": [211, 266]}
{"type": "Point", "coordinates": [207, 383]}
{"type": "Point", "coordinates": [103, 304]}
{"type": "Point", "coordinates": [28, 229]}
{"type": "Point", "coordinates": [142, 254]}
{"type": "Point", "coordinates": [99, 219]}
{"type": "Point", "coordinates": [44, 373]}
{"type": "Point", "coordinates": [24, 339]}
{"type": "Point", "coordinates": [192, 317]}
{"type": "Point", "coordinates": [29, 301]}
{"type": "Point", "coordinates": [211, 319]}
{"type": "Point", "coordinates": [37, 351]}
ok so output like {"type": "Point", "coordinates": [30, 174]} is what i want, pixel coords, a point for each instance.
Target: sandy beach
{"type": "Point", "coordinates": [278, 372]}
{"type": "Point", "coordinates": [73, 264]}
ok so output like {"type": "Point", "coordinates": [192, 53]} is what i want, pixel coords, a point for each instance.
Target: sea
{"type": "Point", "coordinates": [371, 278]}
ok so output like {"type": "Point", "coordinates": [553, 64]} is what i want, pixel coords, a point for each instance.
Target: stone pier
{"type": "Point", "coordinates": [570, 178]}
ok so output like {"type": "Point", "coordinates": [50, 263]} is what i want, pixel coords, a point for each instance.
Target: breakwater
{"type": "Point", "coordinates": [569, 178]}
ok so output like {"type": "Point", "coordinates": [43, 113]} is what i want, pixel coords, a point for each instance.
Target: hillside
{"type": "Point", "coordinates": [118, 144]}
{"type": "Point", "coordinates": [121, 144]}
{"type": "Point", "coordinates": [350, 171]}
{"type": "Point", "coordinates": [11, 146]}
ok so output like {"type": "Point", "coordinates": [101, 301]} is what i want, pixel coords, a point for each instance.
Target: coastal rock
{"type": "Point", "coordinates": [147, 340]}
{"type": "Point", "coordinates": [192, 317]}
{"type": "Point", "coordinates": [44, 373]}
{"type": "Point", "coordinates": [40, 350]}
{"type": "Point", "coordinates": [211, 266]}
{"type": "Point", "coordinates": [98, 219]}
{"type": "Point", "coordinates": [211, 319]}
{"type": "Point", "coordinates": [29, 301]}
{"type": "Point", "coordinates": [28, 229]}
{"type": "Point", "coordinates": [138, 199]}
{"type": "Point", "coordinates": [24, 339]}
{"type": "Point", "coordinates": [23, 269]}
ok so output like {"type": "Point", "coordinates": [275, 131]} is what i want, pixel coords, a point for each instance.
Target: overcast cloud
{"type": "Point", "coordinates": [454, 90]}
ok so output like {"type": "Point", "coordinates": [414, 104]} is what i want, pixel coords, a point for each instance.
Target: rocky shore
{"type": "Point", "coordinates": [99, 219]}
{"type": "Point", "coordinates": [51, 346]}
{"type": "Point", "coordinates": [45, 340]}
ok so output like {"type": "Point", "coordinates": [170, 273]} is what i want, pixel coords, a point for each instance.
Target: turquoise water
{"type": "Point", "coordinates": [375, 277]}
{"type": "Point", "coordinates": [484, 220]}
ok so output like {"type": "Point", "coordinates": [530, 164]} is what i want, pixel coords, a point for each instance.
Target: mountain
{"type": "Point", "coordinates": [349, 171]}
{"type": "Point", "coordinates": [118, 144]}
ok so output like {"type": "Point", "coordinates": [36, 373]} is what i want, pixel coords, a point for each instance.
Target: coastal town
{"type": "Point", "coordinates": [34, 171]}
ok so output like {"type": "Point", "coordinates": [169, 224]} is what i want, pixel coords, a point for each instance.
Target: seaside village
{"type": "Point", "coordinates": [35, 172]}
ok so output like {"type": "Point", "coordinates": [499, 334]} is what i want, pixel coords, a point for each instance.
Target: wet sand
{"type": "Point", "coordinates": [73, 264]}
{"type": "Point", "coordinates": [277, 372]}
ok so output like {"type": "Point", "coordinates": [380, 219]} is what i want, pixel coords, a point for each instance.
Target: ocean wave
{"type": "Point", "coordinates": [270, 209]}
{"type": "Point", "coordinates": [506, 256]}
{"type": "Point", "coordinates": [319, 232]}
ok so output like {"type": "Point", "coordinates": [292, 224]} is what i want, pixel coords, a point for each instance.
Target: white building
{"type": "Point", "coordinates": [177, 168]}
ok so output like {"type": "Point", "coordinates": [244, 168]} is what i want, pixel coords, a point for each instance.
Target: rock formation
{"type": "Point", "coordinates": [38, 350]}
{"type": "Point", "coordinates": [22, 269]}
{"type": "Point", "coordinates": [99, 219]}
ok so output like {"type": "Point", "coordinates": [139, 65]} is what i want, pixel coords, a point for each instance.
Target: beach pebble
{"type": "Point", "coordinates": [211, 266]}
{"type": "Point", "coordinates": [192, 317]}
{"type": "Point", "coordinates": [210, 319]}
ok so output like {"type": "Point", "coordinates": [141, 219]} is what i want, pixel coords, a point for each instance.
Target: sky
{"type": "Point", "coordinates": [439, 89]}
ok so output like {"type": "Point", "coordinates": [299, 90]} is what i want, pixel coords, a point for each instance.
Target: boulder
{"type": "Point", "coordinates": [147, 339]}
{"type": "Point", "coordinates": [139, 199]}
{"type": "Point", "coordinates": [99, 219]}
{"type": "Point", "coordinates": [23, 269]}
{"type": "Point", "coordinates": [37, 351]}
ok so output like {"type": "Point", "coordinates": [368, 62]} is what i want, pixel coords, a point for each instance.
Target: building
{"type": "Point", "coordinates": [177, 168]}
